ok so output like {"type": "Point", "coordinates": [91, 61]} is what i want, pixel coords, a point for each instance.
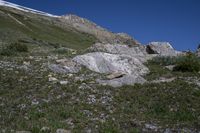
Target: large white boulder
{"type": "Point", "coordinates": [131, 68]}
{"type": "Point", "coordinates": [138, 51]}
{"type": "Point", "coordinates": [108, 63]}
{"type": "Point", "coordinates": [161, 48]}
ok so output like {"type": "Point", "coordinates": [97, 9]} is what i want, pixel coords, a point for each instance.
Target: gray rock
{"type": "Point", "coordinates": [64, 82]}
{"type": "Point", "coordinates": [131, 68]}
{"type": "Point", "coordinates": [115, 75]}
{"type": "Point", "coordinates": [45, 130]}
{"type": "Point", "coordinates": [170, 67]}
{"type": "Point", "coordinates": [23, 132]}
{"type": "Point", "coordinates": [125, 80]}
{"type": "Point", "coordinates": [151, 127]}
{"type": "Point", "coordinates": [62, 131]}
{"type": "Point", "coordinates": [110, 63]}
{"type": "Point", "coordinates": [161, 48]}
{"type": "Point", "coordinates": [103, 35]}
{"type": "Point", "coordinates": [52, 79]}
{"type": "Point", "coordinates": [163, 80]}
{"type": "Point", "coordinates": [138, 51]}
{"type": "Point", "coordinates": [65, 66]}
{"type": "Point", "coordinates": [167, 131]}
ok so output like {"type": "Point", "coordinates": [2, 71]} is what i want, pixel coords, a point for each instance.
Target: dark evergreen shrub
{"type": "Point", "coordinates": [189, 63]}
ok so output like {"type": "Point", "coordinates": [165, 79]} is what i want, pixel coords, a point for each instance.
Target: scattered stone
{"type": "Point", "coordinates": [31, 57]}
{"type": "Point", "coordinates": [69, 121]}
{"type": "Point", "coordinates": [65, 66]}
{"type": "Point", "coordinates": [23, 132]}
{"type": "Point", "coordinates": [52, 79]}
{"type": "Point", "coordinates": [35, 102]}
{"type": "Point", "coordinates": [64, 82]}
{"type": "Point", "coordinates": [151, 127]}
{"type": "Point", "coordinates": [45, 129]}
{"type": "Point", "coordinates": [163, 79]}
{"type": "Point", "coordinates": [125, 80]}
{"type": "Point", "coordinates": [26, 63]}
{"type": "Point", "coordinates": [70, 75]}
{"type": "Point", "coordinates": [91, 99]}
{"type": "Point", "coordinates": [170, 67]}
{"type": "Point", "coordinates": [81, 79]}
{"type": "Point", "coordinates": [115, 75]}
{"type": "Point", "coordinates": [62, 131]}
{"type": "Point", "coordinates": [167, 130]}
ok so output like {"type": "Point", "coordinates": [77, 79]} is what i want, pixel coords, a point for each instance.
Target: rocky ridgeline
{"type": "Point", "coordinates": [123, 64]}
{"type": "Point", "coordinates": [103, 35]}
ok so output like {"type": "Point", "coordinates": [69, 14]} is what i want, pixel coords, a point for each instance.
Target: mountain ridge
{"type": "Point", "coordinates": [77, 23]}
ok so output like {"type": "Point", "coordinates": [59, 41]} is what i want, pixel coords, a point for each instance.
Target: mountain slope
{"type": "Point", "coordinates": [69, 30]}
{"type": "Point", "coordinates": [17, 24]}
{"type": "Point", "coordinates": [46, 87]}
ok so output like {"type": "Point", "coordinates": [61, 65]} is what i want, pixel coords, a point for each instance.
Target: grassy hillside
{"type": "Point", "coordinates": [14, 26]}
{"type": "Point", "coordinates": [34, 98]}
{"type": "Point", "coordinates": [30, 101]}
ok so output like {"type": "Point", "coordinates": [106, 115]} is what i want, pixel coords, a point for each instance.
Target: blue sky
{"type": "Point", "coordinates": [175, 21]}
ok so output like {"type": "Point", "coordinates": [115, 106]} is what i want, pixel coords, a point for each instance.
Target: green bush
{"type": "Point", "coordinates": [188, 63]}
{"type": "Point", "coordinates": [13, 48]}
{"type": "Point", "coordinates": [165, 61]}
{"type": "Point", "coordinates": [18, 47]}
{"type": "Point", "coordinates": [6, 52]}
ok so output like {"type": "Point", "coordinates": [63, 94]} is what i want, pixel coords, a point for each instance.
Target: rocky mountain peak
{"type": "Point", "coordinates": [102, 34]}
{"type": "Point", "coordinates": [76, 19]}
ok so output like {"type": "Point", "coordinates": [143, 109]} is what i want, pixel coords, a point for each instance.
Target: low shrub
{"type": "Point", "coordinates": [165, 61]}
{"type": "Point", "coordinates": [6, 52]}
{"type": "Point", "coordinates": [18, 47]}
{"type": "Point", "coordinates": [188, 63]}
{"type": "Point", "coordinates": [13, 48]}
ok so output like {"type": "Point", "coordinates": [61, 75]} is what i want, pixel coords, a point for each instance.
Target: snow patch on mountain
{"type": "Point", "coordinates": [26, 9]}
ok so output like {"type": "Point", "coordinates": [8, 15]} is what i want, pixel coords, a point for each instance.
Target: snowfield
{"type": "Point", "coordinates": [8, 4]}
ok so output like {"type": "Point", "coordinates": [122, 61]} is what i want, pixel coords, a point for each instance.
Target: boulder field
{"type": "Point", "coordinates": [127, 62]}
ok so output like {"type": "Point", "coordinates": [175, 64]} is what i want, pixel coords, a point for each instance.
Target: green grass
{"type": "Point", "coordinates": [158, 69]}
{"type": "Point", "coordinates": [164, 104]}
{"type": "Point", "coordinates": [169, 105]}
{"type": "Point", "coordinates": [41, 29]}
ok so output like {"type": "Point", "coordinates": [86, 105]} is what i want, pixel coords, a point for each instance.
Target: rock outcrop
{"type": "Point", "coordinates": [162, 49]}
{"type": "Point", "coordinates": [65, 66]}
{"type": "Point", "coordinates": [198, 52]}
{"type": "Point", "coordinates": [108, 63]}
{"type": "Point", "coordinates": [102, 34]}
{"type": "Point", "coordinates": [131, 67]}
{"type": "Point", "coordinates": [131, 51]}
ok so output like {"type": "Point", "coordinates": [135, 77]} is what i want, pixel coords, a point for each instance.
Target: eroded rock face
{"type": "Point", "coordinates": [124, 70]}
{"type": "Point", "coordinates": [120, 49]}
{"type": "Point", "coordinates": [108, 63]}
{"type": "Point", "coordinates": [161, 48]}
{"type": "Point", "coordinates": [102, 34]}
